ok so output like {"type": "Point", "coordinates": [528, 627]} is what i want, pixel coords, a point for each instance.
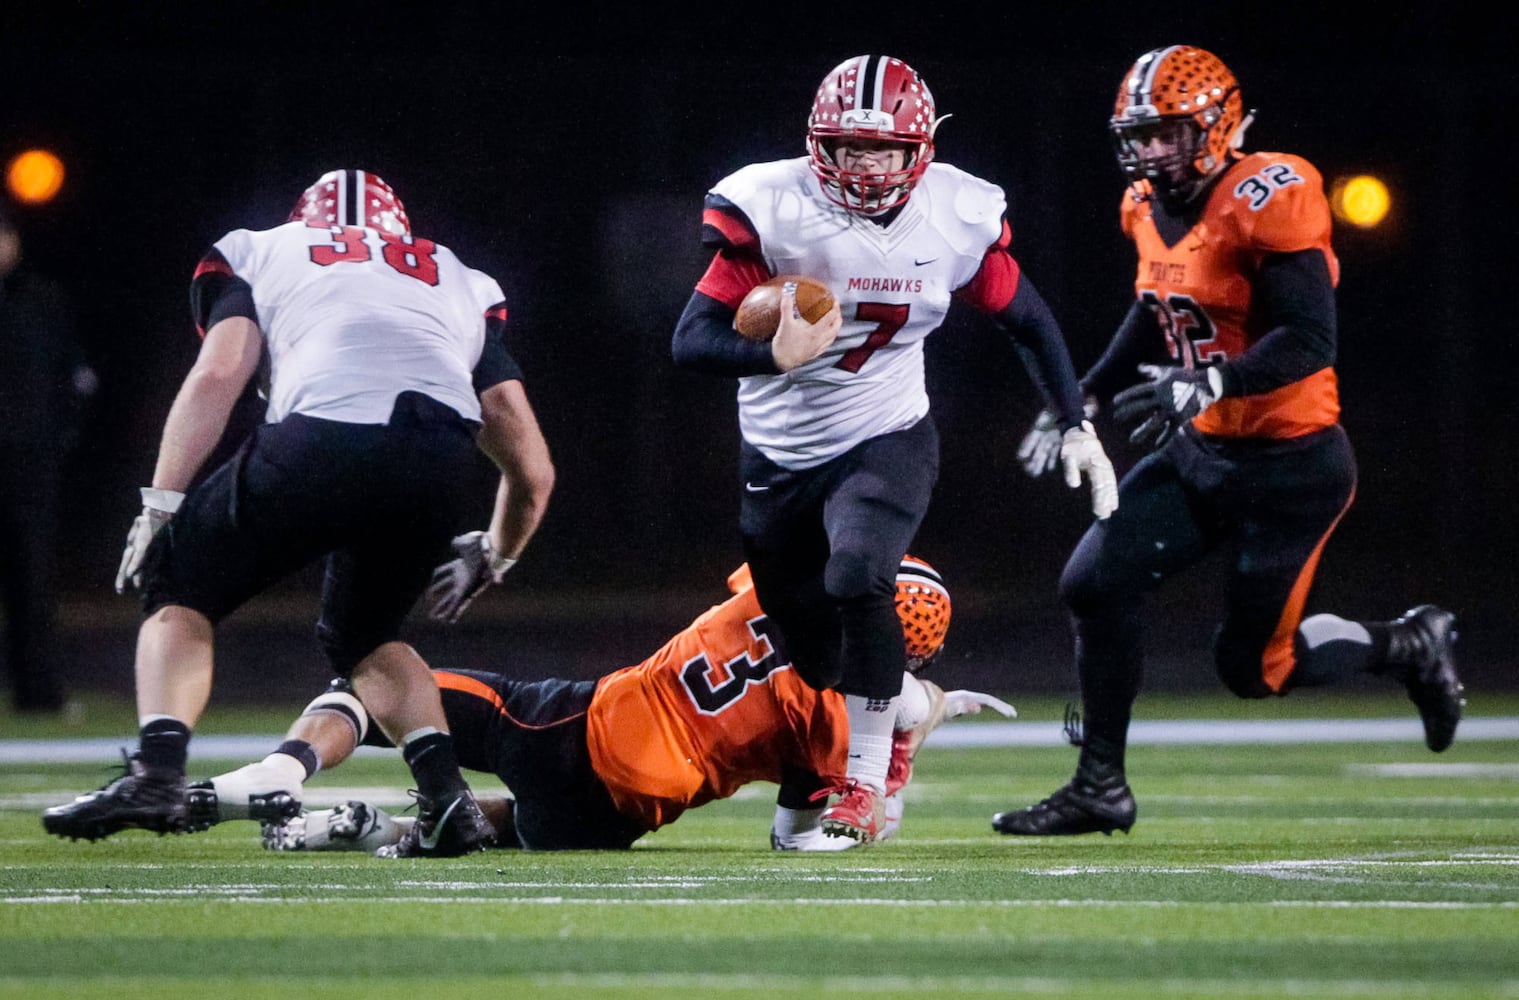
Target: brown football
{"type": "Point", "coordinates": [760, 312]}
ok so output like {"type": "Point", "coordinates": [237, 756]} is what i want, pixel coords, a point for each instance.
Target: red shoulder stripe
{"type": "Point", "coordinates": [729, 278]}
{"type": "Point", "coordinates": [212, 263]}
{"type": "Point", "coordinates": [995, 283]}
{"type": "Point", "coordinates": [735, 231]}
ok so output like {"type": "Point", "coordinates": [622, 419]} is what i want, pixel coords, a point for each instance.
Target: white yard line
{"type": "Point", "coordinates": [1180, 732]}
{"type": "Point", "coordinates": [486, 892]}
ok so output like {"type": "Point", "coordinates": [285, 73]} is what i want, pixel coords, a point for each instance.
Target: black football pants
{"type": "Point", "coordinates": [824, 545]}
{"type": "Point", "coordinates": [1271, 504]}
{"type": "Point", "coordinates": [379, 501]}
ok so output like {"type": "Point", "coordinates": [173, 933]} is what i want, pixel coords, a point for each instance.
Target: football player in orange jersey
{"type": "Point", "coordinates": [1234, 296]}
{"type": "Point", "coordinates": [597, 764]}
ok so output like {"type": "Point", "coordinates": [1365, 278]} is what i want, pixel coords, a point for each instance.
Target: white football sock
{"type": "Point", "coordinates": [277, 772]}
{"type": "Point", "coordinates": [870, 724]}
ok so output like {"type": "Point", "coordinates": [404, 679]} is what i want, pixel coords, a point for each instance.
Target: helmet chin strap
{"type": "Point", "coordinates": [1178, 198]}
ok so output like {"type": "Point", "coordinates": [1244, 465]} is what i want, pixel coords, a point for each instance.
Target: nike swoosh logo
{"type": "Point", "coordinates": [755, 489]}
{"type": "Point", "coordinates": [429, 842]}
{"type": "Point", "coordinates": [919, 263]}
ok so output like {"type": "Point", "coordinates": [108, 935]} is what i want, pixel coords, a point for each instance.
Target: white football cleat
{"type": "Point", "coordinates": [348, 826]}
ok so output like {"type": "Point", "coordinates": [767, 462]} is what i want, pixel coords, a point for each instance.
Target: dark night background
{"type": "Point", "coordinates": [566, 153]}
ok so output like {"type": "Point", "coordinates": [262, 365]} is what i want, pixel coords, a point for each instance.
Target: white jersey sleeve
{"type": "Point", "coordinates": [893, 284]}
{"type": "Point", "coordinates": [352, 319]}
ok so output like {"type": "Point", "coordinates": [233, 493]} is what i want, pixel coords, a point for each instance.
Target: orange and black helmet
{"type": "Point", "coordinates": [923, 608]}
{"type": "Point", "coordinates": [1178, 121]}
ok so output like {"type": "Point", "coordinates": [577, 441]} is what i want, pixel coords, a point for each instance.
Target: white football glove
{"type": "Point", "coordinates": [958, 703]}
{"type": "Point", "coordinates": [458, 582]}
{"type": "Point", "coordinates": [1039, 451]}
{"type": "Point", "coordinates": [797, 341]}
{"type": "Point", "coordinates": [1082, 453]}
{"type": "Point", "coordinates": [922, 708]}
{"type": "Point", "coordinates": [157, 507]}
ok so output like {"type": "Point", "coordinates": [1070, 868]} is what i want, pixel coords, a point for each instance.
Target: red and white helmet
{"type": "Point", "coordinates": [875, 97]}
{"type": "Point", "coordinates": [923, 609]}
{"type": "Point", "coordinates": [352, 198]}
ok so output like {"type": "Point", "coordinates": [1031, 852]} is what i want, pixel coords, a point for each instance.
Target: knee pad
{"type": "Point", "coordinates": [1080, 591]}
{"type": "Point", "coordinates": [1239, 666]}
{"type": "Point", "coordinates": [848, 577]}
{"type": "Point", "coordinates": [342, 702]}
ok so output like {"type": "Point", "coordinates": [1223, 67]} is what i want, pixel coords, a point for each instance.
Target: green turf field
{"type": "Point", "coordinates": [1339, 870]}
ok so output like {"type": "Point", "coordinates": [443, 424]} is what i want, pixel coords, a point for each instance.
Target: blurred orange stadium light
{"type": "Point", "coordinates": [1362, 200]}
{"type": "Point", "coordinates": [34, 177]}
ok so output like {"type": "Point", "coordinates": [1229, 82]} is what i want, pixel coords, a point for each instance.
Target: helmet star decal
{"type": "Point", "coordinates": [880, 99]}
{"type": "Point", "coordinates": [352, 198]}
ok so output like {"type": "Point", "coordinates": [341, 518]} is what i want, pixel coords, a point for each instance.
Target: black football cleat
{"type": "Point", "coordinates": [444, 829]}
{"type": "Point", "coordinates": [1086, 804]}
{"type": "Point", "coordinates": [143, 798]}
{"type": "Point", "coordinates": [1422, 649]}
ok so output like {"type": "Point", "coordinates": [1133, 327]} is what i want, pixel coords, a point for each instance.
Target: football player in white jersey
{"type": "Point", "coordinates": [839, 455]}
{"type": "Point", "coordinates": [381, 358]}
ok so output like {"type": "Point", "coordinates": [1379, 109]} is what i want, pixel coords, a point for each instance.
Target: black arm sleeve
{"type": "Point", "coordinates": [1293, 302]}
{"type": "Point", "coordinates": [1041, 347]}
{"type": "Point", "coordinates": [214, 297]}
{"type": "Point", "coordinates": [1137, 340]}
{"type": "Point", "coordinates": [496, 365]}
{"type": "Point", "coordinates": [705, 341]}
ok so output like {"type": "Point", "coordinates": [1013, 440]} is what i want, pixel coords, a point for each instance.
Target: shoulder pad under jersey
{"type": "Point", "coordinates": [965, 209]}
{"type": "Point", "coordinates": [1275, 203]}
{"type": "Point", "coordinates": [765, 196]}
{"type": "Point", "coordinates": [484, 290]}
{"type": "Point", "coordinates": [236, 247]}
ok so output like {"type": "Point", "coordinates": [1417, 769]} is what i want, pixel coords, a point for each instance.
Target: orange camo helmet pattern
{"type": "Point", "coordinates": [1185, 86]}
{"type": "Point", "coordinates": [923, 607]}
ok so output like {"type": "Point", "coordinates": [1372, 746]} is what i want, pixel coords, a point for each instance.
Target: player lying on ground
{"type": "Point", "coordinates": [597, 764]}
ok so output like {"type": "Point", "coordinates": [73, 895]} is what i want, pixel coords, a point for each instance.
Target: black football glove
{"type": "Point", "coordinates": [1160, 406]}
{"type": "Point", "coordinates": [458, 582]}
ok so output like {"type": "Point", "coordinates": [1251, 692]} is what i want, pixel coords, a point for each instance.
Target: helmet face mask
{"type": "Point", "coordinates": [872, 99]}
{"type": "Point", "coordinates": [1162, 151]}
{"type": "Point", "coordinates": [923, 608]}
{"type": "Point", "coordinates": [1177, 123]}
{"type": "Point", "coordinates": [352, 198]}
{"type": "Point", "coordinates": [867, 192]}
